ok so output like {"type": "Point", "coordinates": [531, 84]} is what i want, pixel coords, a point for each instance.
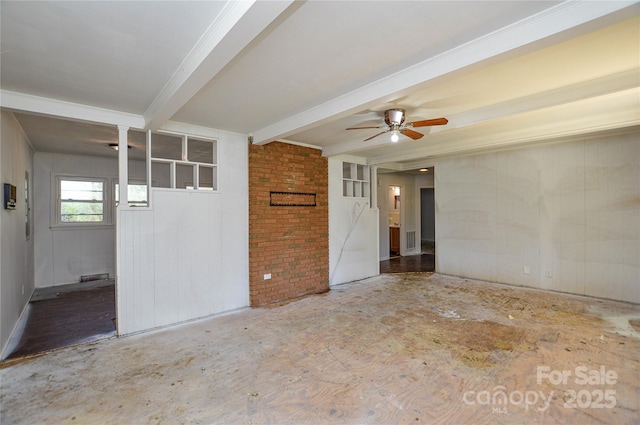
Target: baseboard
{"type": "Point", "coordinates": [109, 277]}
{"type": "Point", "coordinates": [16, 333]}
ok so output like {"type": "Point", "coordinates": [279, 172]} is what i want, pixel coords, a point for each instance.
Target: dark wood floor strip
{"type": "Point", "coordinates": [69, 318]}
{"type": "Point", "coordinates": [411, 263]}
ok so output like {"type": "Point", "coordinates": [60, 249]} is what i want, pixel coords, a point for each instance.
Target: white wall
{"type": "Point", "coordinates": [64, 254]}
{"type": "Point", "coordinates": [353, 241]}
{"type": "Point", "coordinates": [569, 212]}
{"type": "Point", "coordinates": [16, 250]}
{"type": "Point", "coordinates": [187, 256]}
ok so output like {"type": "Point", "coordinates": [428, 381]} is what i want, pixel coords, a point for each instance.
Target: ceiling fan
{"type": "Point", "coordinates": [394, 118]}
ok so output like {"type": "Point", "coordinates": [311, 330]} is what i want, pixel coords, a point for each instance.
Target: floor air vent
{"type": "Point", "coordinates": [90, 277]}
{"type": "Point", "coordinates": [411, 239]}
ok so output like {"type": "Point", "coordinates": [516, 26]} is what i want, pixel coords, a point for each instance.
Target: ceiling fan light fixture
{"type": "Point", "coordinates": [116, 146]}
{"type": "Point", "coordinates": [394, 120]}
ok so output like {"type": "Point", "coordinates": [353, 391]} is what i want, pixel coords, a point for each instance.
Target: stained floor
{"type": "Point", "coordinates": [394, 349]}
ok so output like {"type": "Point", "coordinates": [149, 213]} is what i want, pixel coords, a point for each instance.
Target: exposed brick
{"type": "Point", "coordinates": [291, 243]}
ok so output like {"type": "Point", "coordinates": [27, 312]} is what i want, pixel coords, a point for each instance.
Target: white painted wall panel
{"type": "Point", "coordinates": [232, 273]}
{"type": "Point", "coordinates": [470, 206]}
{"type": "Point", "coordinates": [517, 212]}
{"type": "Point", "coordinates": [569, 212]}
{"type": "Point", "coordinates": [136, 302]}
{"type": "Point", "coordinates": [16, 250]}
{"type": "Point", "coordinates": [612, 235]}
{"type": "Point", "coordinates": [353, 241]}
{"type": "Point", "coordinates": [568, 225]}
{"type": "Point", "coordinates": [187, 256]}
{"type": "Point", "coordinates": [82, 252]}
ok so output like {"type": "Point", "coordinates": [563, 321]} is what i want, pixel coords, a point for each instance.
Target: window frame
{"type": "Point", "coordinates": [27, 205]}
{"type": "Point", "coordinates": [56, 219]}
{"type": "Point", "coordinates": [194, 184]}
{"type": "Point", "coordinates": [115, 185]}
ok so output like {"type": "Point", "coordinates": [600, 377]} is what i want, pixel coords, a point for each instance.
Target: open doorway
{"type": "Point", "coordinates": [427, 221]}
{"type": "Point", "coordinates": [394, 221]}
{"type": "Point", "coordinates": [74, 234]}
{"type": "Point", "coordinates": [407, 221]}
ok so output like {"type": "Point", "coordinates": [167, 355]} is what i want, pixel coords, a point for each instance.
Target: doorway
{"type": "Point", "coordinates": [395, 223]}
{"type": "Point", "coordinates": [427, 221]}
{"type": "Point", "coordinates": [410, 222]}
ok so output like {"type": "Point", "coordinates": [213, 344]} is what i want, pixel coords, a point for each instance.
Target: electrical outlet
{"type": "Point", "coordinates": [547, 273]}
{"type": "Point", "coordinates": [527, 270]}
{"type": "Point", "coordinates": [267, 276]}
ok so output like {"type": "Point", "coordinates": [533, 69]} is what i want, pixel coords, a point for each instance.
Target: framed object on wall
{"type": "Point", "coordinates": [9, 196]}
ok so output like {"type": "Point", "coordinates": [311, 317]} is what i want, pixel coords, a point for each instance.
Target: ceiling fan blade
{"type": "Point", "coordinates": [376, 135]}
{"type": "Point", "coordinates": [410, 133]}
{"type": "Point", "coordinates": [425, 123]}
{"type": "Point", "coordinates": [358, 128]}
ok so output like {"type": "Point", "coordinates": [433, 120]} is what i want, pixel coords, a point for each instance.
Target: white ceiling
{"type": "Point", "coordinates": [503, 73]}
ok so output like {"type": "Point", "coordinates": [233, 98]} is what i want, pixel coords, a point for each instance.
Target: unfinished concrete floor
{"type": "Point", "coordinates": [394, 349]}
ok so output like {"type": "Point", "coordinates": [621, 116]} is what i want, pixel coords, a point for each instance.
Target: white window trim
{"type": "Point", "coordinates": [184, 161]}
{"type": "Point", "coordinates": [114, 205]}
{"type": "Point", "coordinates": [56, 224]}
{"type": "Point", "coordinates": [28, 230]}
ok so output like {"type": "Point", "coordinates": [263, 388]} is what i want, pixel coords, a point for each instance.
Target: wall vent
{"type": "Point", "coordinates": [91, 277]}
{"type": "Point", "coordinates": [411, 239]}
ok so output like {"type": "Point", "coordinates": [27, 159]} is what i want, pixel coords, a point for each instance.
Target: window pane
{"type": "Point", "coordinates": [346, 170]}
{"type": "Point", "coordinates": [137, 194]}
{"type": "Point", "coordinates": [166, 146]}
{"type": "Point", "coordinates": [200, 151]}
{"type": "Point", "coordinates": [160, 174]}
{"type": "Point", "coordinates": [74, 212]}
{"type": "Point", "coordinates": [207, 179]}
{"type": "Point", "coordinates": [184, 176]}
{"type": "Point", "coordinates": [81, 190]}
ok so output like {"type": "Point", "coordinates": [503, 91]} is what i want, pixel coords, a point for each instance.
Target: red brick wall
{"type": "Point", "coordinates": [291, 243]}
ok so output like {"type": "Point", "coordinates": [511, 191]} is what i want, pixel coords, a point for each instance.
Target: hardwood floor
{"type": "Point", "coordinates": [60, 317]}
{"type": "Point", "coordinates": [425, 262]}
{"type": "Point", "coordinates": [410, 263]}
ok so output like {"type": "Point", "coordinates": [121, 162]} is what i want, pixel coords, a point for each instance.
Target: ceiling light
{"type": "Point", "coordinates": [115, 146]}
{"type": "Point", "coordinates": [394, 136]}
{"type": "Point", "coordinates": [424, 170]}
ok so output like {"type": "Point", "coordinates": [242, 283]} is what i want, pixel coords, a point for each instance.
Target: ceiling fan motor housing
{"type": "Point", "coordinates": [394, 117]}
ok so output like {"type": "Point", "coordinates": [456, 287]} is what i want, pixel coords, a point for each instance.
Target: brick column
{"type": "Point", "coordinates": [289, 242]}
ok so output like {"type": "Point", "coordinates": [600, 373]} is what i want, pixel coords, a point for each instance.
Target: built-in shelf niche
{"type": "Point", "coordinates": [355, 180]}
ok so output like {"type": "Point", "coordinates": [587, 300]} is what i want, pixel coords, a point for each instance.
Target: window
{"type": "Point", "coordinates": [181, 162]}
{"type": "Point", "coordinates": [81, 200]}
{"type": "Point", "coordinates": [136, 194]}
